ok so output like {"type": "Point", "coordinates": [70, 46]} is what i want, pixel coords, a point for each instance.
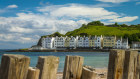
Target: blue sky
{"type": "Point", "coordinates": [22, 22]}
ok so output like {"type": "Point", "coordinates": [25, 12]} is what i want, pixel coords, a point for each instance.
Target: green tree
{"type": "Point", "coordinates": [97, 23]}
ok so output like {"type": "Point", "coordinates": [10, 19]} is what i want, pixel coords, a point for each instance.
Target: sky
{"type": "Point", "coordinates": [22, 22]}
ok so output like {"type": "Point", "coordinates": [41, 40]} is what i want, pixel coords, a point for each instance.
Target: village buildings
{"type": "Point", "coordinates": [98, 42]}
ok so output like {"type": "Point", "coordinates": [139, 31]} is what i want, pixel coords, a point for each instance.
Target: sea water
{"type": "Point", "coordinates": [94, 59]}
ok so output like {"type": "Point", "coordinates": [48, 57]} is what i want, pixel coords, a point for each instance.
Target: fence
{"type": "Point", "coordinates": [123, 64]}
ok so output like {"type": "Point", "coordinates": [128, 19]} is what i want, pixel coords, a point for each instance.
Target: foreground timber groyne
{"type": "Point", "coordinates": [123, 64]}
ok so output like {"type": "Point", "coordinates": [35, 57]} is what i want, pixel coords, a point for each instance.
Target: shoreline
{"type": "Point", "coordinates": [67, 50]}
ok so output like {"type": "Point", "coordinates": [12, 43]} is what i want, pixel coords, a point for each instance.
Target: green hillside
{"type": "Point", "coordinates": [118, 30]}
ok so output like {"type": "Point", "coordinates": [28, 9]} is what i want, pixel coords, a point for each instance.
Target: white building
{"type": "Point", "coordinates": [122, 43]}
{"type": "Point", "coordinates": [59, 42]}
{"type": "Point", "coordinates": [73, 42]}
{"type": "Point", "coordinates": [98, 41]}
{"type": "Point", "coordinates": [119, 43]}
{"type": "Point", "coordinates": [85, 42]}
{"type": "Point", "coordinates": [125, 44]}
{"type": "Point", "coordinates": [43, 42]}
{"type": "Point", "coordinates": [80, 42]}
{"type": "Point", "coordinates": [135, 45]}
{"type": "Point", "coordinates": [48, 42]}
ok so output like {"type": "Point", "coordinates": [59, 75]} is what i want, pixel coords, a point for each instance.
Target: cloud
{"type": "Point", "coordinates": [12, 6]}
{"type": "Point", "coordinates": [137, 3]}
{"type": "Point", "coordinates": [114, 1]}
{"type": "Point", "coordinates": [17, 37]}
{"type": "Point", "coordinates": [29, 26]}
{"type": "Point", "coordinates": [125, 19]}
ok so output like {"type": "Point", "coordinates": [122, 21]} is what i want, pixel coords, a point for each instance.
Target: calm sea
{"type": "Point", "coordinates": [94, 59]}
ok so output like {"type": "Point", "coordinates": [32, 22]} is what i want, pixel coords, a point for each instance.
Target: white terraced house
{"type": "Point", "coordinates": [119, 43]}
{"type": "Point", "coordinates": [48, 42]}
{"type": "Point", "coordinates": [59, 42]}
{"type": "Point", "coordinates": [125, 44]}
{"type": "Point", "coordinates": [85, 42]}
{"type": "Point", "coordinates": [122, 43]}
{"type": "Point", "coordinates": [73, 42]}
{"type": "Point", "coordinates": [80, 42]}
{"type": "Point", "coordinates": [98, 41]}
{"type": "Point", "coordinates": [135, 45]}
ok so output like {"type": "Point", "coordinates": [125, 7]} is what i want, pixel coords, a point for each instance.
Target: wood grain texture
{"type": "Point", "coordinates": [89, 74]}
{"type": "Point", "coordinates": [138, 68]}
{"type": "Point", "coordinates": [14, 66]}
{"type": "Point", "coordinates": [116, 64]}
{"type": "Point", "coordinates": [33, 73]}
{"type": "Point", "coordinates": [130, 64]}
{"type": "Point", "coordinates": [73, 67]}
{"type": "Point", "coordinates": [48, 66]}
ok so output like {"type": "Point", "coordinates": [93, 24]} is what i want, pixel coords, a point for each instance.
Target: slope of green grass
{"type": "Point", "coordinates": [104, 30]}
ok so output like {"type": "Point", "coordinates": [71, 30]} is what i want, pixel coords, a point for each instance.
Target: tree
{"type": "Point", "coordinates": [116, 24]}
{"type": "Point", "coordinates": [97, 23]}
{"type": "Point", "coordinates": [83, 34]}
{"type": "Point", "coordinates": [124, 25]}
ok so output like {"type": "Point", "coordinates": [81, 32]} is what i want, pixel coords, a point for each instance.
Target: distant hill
{"type": "Point", "coordinates": [92, 29]}
{"type": "Point", "coordinates": [131, 32]}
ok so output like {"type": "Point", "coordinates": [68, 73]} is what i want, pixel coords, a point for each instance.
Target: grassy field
{"type": "Point", "coordinates": [104, 30]}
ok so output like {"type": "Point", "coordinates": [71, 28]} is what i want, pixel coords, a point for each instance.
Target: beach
{"type": "Point", "coordinates": [102, 73]}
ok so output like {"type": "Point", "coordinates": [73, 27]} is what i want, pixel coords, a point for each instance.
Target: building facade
{"type": "Point", "coordinates": [67, 42]}
{"type": "Point", "coordinates": [80, 42]}
{"type": "Point", "coordinates": [73, 42]}
{"type": "Point", "coordinates": [85, 42]}
{"type": "Point", "coordinates": [135, 45]}
{"type": "Point", "coordinates": [48, 42]}
{"type": "Point", "coordinates": [59, 42]}
{"type": "Point", "coordinates": [109, 42]}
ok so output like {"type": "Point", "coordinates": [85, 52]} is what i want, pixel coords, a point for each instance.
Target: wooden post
{"type": "Point", "coordinates": [14, 66]}
{"type": "Point", "coordinates": [130, 64]}
{"type": "Point", "coordinates": [33, 73]}
{"type": "Point", "coordinates": [48, 66]}
{"type": "Point", "coordinates": [116, 64]}
{"type": "Point", "coordinates": [138, 68]}
{"type": "Point", "coordinates": [89, 73]}
{"type": "Point", "coordinates": [73, 67]}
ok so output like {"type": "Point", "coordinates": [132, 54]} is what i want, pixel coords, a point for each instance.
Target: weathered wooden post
{"type": "Point", "coordinates": [14, 66]}
{"type": "Point", "coordinates": [88, 73]}
{"type": "Point", "coordinates": [73, 67]}
{"type": "Point", "coordinates": [138, 68]}
{"type": "Point", "coordinates": [48, 66]}
{"type": "Point", "coordinates": [130, 64]}
{"type": "Point", "coordinates": [33, 73]}
{"type": "Point", "coordinates": [116, 64]}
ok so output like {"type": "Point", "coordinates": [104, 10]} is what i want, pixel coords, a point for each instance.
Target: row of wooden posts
{"type": "Point", "coordinates": [122, 65]}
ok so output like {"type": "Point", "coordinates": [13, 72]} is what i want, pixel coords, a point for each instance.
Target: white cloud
{"type": "Point", "coordinates": [16, 37]}
{"type": "Point", "coordinates": [137, 3]}
{"type": "Point", "coordinates": [12, 6]}
{"type": "Point", "coordinates": [20, 30]}
{"type": "Point", "coordinates": [125, 19]}
{"type": "Point", "coordinates": [114, 1]}
{"type": "Point", "coordinates": [27, 27]}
